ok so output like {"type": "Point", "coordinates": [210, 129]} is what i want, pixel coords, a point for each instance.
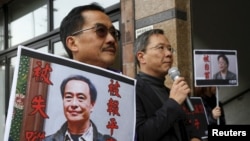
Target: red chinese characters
{"type": "Point", "coordinates": [34, 136]}
{"type": "Point", "coordinates": [114, 88]}
{"type": "Point", "coordinates": [197, 123]}
{"type": "Point", "coordinates": [207, 64]}
{"type": "Point", "coordinates": [36, 97]}
{"type": "Point", "coordinates": [112, 124]}
{"type": "Point", "coordinates": [113, 106]}
{"type": "Point", "coordinates": [42, 74]}
{"type": "Point", "coordinates": [38, 104]}
{"type": "Point", "coordinates": [197, 116]}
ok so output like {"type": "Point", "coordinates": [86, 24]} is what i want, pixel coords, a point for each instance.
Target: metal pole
{"type": "Point", "coordinates": [217, 103]}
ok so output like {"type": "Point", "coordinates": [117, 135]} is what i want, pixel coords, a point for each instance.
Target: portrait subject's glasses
{"type": "Point", "coordinates": [101, 31]}
{"type": "Point", "coordinates": [161, 48]}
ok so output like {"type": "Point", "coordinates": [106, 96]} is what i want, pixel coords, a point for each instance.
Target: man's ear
{"type": "Point", "coordinates": [71, 43]}
{"type": "Point", "coordinates": [140, 57]}
{"type": "Point", "coordinates": [92, 108]}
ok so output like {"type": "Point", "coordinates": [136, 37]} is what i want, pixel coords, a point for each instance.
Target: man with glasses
{"type": "Point", "coordinates": [89, 36]}
{"type": "Point", "coordinates": [159, 112]}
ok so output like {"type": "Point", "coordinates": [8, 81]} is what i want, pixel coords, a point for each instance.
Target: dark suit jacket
{"type": "Point", "coordinates": [60, 134]}
{"type": "Point", "coordinates": [157, 121]}
{"type": "Point", "coordinates": [230, 75]}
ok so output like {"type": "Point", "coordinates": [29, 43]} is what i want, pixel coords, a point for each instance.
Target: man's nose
{"type": "Point", "coordinates": [74, 103]}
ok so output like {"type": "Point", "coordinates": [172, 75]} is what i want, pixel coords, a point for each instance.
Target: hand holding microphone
{"type": "Point", "coordinates": [175, 74]}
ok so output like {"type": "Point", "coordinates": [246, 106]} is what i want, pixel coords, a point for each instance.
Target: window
{"type": "Point", "coordinates": [59, 49]}
{"type": "Point", "coordinates": [27, 21]}
{"type": "Point", "coordinates": [62, 7]}
{"type": "Point", "coordinates": [43, 49]}
{"type": "Point", "coordinates": [2, 96]}
{"type": "Point", "coordinates": [1, 31]}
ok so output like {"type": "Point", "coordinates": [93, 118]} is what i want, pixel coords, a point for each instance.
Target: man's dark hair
{"type": "Point", "coordinates": [92, 89]}
{"type": "Point", "coordinates": [143, 40]}
{"type": "Point", "coordinates": [74, 22]}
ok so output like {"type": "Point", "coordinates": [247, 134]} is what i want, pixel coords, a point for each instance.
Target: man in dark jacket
{"type": "Point", "coordinates": [61, 135]}
{"type": "Point", "coordinates": [159, 113]}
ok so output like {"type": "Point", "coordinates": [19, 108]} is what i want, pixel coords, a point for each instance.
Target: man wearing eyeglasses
{"type": "Point", "coordinates": [159, 113]}
{"type": "Point", "coordinates": [89, 36]}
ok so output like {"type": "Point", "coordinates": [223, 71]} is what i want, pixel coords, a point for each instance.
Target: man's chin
{"type": "Point", "coordinates": [109, 55]}
{"type": "Point", "coordinates": [74, 119]}
{"type": "Point", "coordinates": [109, 61]}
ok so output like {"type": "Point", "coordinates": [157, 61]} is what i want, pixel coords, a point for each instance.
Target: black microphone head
{"type": "Point", "coordinates": [174, 73]}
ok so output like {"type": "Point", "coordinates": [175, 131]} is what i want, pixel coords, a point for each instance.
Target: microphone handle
{"type": "Point", "coordinates": [189, 104]}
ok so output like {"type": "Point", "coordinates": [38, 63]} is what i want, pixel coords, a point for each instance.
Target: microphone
{"type": "Point", "coordinates": [174, 73]}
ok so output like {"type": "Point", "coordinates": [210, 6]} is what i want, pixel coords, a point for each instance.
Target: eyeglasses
{"type": "Point", "coordinates": [101, 31]}
{"type": "Point", "coordinates": [162, 47]}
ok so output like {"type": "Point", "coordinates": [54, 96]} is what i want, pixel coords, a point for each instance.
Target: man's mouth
{"type": "Point", "coordinates": [110, 49]}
